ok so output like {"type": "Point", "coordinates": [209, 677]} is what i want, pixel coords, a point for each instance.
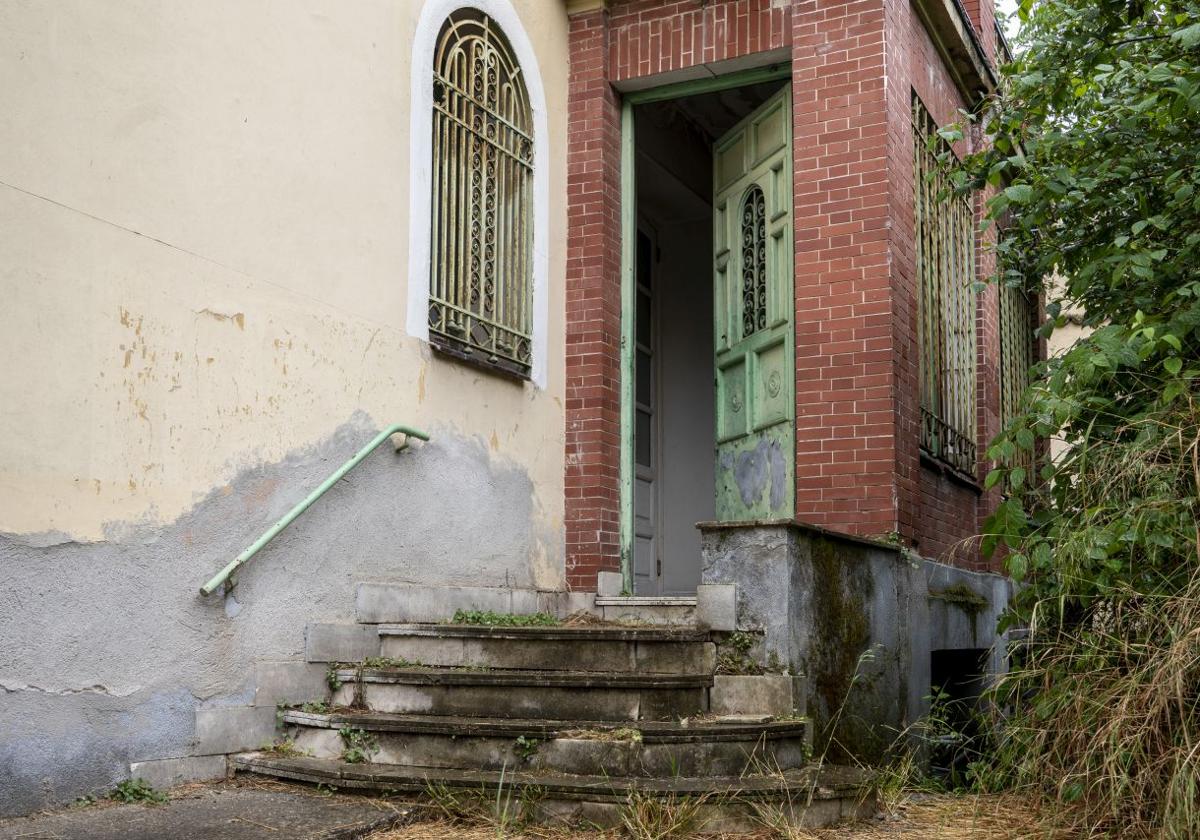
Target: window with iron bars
{"type": "Point", "coordinates": [481, 278]}
{"type": "Point", "coordinates": [1018, 353]}
{"type": "Point", "coordinates": [945, 250]}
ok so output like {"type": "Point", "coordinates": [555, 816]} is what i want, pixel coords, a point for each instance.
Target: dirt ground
{"type": "Point", "coordinates": [928, 817]}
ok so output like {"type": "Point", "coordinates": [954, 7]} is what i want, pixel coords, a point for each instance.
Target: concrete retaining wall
{"type": "Point", "coordinates": [858, 618]}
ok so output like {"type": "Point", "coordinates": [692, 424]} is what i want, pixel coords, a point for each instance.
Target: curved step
{"type": "Point", "coordinates": [657, 748]}
{"type": "Point", "coordinates": [650, 650]}
{"type": "Point", "coordinates": [562, 695]}
{"type": "Point", "coordinates": [807, 796]}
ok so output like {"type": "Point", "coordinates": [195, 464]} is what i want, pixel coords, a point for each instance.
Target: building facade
{"type": "Point", "coordinates": [633, 265]}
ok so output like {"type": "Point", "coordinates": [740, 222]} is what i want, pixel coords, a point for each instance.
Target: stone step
{"type": "Point", "coordinates": [559, 695]}
{"type": "Point", "coordinates": [656, 748]}
{"type": "Point", "coordinates": [640, 609]}
{"type": "Point", "coordinates": [723, 804]}
{"type": "Point", "coordinates": [646, 650]}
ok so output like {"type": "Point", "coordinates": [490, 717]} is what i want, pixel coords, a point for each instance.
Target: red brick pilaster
{"type": "Point", "coordinates": [846, 409]}
{"type": "Point", "coordinates": [593, 292]}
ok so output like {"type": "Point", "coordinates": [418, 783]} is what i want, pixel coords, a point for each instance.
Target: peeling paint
{"type": "Point", "coordinates": [237, 318]}
{"type": "Point", "coordinates": [14, 687]}
{"type": "Point", "coordinates": [756, 469]}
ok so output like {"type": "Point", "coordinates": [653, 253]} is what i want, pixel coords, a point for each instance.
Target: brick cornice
{"type": "Point", "coordinates": [579, 7]}
{"type": "Point", "coordinates": [958, 46]}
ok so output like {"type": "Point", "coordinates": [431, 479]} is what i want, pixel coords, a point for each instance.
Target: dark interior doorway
{"type": "Point", "coordinates": [674, 468]}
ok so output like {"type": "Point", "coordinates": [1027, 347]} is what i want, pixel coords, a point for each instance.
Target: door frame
{"type": "Point", "coordinates": [629, 224]}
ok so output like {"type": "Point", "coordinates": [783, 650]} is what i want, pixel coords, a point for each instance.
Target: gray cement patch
{"type": "Point", "coordinates": [107, 650]}
{"type": "Point", "coordinates": [216, 813]}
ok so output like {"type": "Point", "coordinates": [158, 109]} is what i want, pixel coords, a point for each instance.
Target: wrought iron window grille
{"type": "Point", "coordinates": [481, 278]}
{"type": "Point", "coordinates": [945, 259]}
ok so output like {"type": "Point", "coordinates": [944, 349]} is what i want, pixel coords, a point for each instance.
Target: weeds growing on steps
{"type": "Point", "coordinates": [526, 747]}
{"type": "Point", "coordinates": [285, 748]}
{"type": "Point", "coordinates": [358, 745]}
{"type": "Point", "coordinates": [493, 619]}
{"type": "Point", "coordinates": [139, 791]}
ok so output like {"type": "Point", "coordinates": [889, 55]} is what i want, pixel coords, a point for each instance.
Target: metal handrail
{"type": "Point", "coordinates": [223, 575]}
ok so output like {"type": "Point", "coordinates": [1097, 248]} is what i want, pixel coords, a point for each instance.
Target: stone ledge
{"type": "Point", "coordinates": [803, 527]}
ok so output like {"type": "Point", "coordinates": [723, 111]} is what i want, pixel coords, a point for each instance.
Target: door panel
{"type": "Point", "coordinates": [753, 340]}
{"type": "Point", "coordinates": [646, 508]}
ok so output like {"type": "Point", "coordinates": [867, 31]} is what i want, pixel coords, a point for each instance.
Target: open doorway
{"type": "Point", "coordinates": [682, 321]}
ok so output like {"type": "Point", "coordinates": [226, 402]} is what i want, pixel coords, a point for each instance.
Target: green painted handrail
{"type": "Point", "coordinates": [223, 575]}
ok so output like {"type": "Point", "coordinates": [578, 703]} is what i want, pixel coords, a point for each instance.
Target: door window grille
{"type": "Point", "coordinates": [945, 250]}
{"type": "Point", "coordinates": [754, 261]}
{"type": "Point", "coordinates": [480, 288]}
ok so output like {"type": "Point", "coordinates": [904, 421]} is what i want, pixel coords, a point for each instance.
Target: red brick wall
{"type": "Point", "coordinates": [658, 36]}
{"type": "Point", "coordinates": [858, 467]}
{"type": "Point", "coordinates": [593, 296]}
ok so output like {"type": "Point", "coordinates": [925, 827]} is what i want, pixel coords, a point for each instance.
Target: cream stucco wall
{"type": "Point", "coordinates": [204, 259]}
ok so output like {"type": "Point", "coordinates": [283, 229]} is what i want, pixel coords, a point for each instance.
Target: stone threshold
{"type": "Point", "coordinates": [645, 600]}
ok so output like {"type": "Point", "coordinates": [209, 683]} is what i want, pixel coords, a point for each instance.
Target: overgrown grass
{"type": "Point", "coordinates": [1112, 728]}
{"type": "Point", "coordinates": [505, 811]}
{"type": "Point", "coordinates": [657, 816]}
{"type": "Point", "coordinates": [1101, 712]}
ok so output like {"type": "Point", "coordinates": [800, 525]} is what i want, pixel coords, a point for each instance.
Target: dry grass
{"type": "Point", "coordinates": [924, 818]}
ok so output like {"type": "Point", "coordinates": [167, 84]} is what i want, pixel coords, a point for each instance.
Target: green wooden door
{"type": "Point", "coordinates": [754, 339]}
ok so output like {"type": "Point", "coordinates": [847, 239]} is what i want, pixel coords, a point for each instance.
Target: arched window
{"type": "Point", "coordinates": [481, 277]}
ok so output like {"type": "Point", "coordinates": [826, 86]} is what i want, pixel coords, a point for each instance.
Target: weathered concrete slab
{"type": "Point", "coordinates": [233, 728]}
{"type": "Point", "coordinates": [554, 650]}
{"type": "Point", "coordinates": [581, 751]}
{"type": "Point", "coordinates": [221, 812]}
{"type": "Point", "coordinates": [340, 642]}
{"type": "Point", "coordinates": [807, 797]}
{"type": "Point", "coordinates": [609, 584]}
{"type": "Point", "coordinates": [288, 682]}
{"type": "Point", "coordinates": [716, 606]}
{"type": "Point", "coordinates": [165, 773]}
{"type": "Point", "coordinates": [380, 603]}
{"type": "Point", "coordinates": [779, 695]}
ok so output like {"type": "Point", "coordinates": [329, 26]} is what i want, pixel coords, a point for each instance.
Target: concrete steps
{"type": "Point", "coordinates": [571, 695]}
{"type": "Point", "coordinates": [725, 803]}
{"type": "Point", "coordinates": [649, 749]}
{"type": "Point", "coordinates": [643, 650]}
{"type": "Point", "coordinates": [576, 722]}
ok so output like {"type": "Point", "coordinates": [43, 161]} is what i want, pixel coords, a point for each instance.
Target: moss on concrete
{"type": "Point", "coordinates": [842, 623]}
{"type": "Point", "coordinates": [966, 599]}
